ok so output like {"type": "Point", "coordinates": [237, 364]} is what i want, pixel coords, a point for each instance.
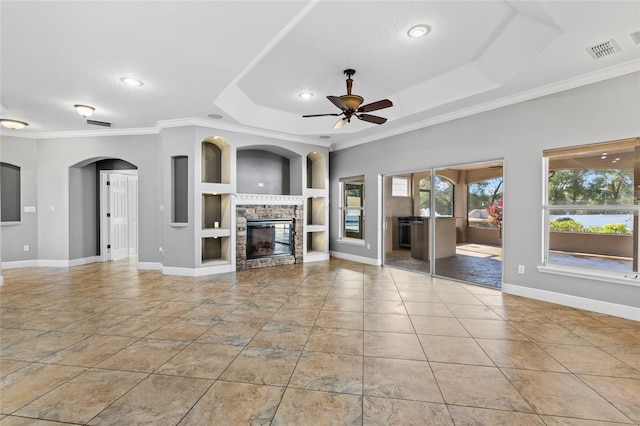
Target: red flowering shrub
{"type": "Point", "coordinates": [495, 214]}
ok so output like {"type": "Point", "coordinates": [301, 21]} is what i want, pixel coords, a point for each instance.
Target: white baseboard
{"type": "Point", "coordinates": [49, 263]}
{"type": "Point", "coordinates": [84, 260]}
{"type": "Point", "coordinates": [150, 266]}
{"type": "Point", "coordinates": [198, 272]}
{"type": "Point", "coordinates": [354, 258]}
{"type": "Point", "coordinates": [20, 264]}
{"type": "Point", "coordinates": [316, 257]}
{"type": "Point", "coordinates": [615, 309]}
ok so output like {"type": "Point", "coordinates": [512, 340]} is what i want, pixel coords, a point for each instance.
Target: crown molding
{"type": "Point", "coordinates": [583, 80]}
{"type": "Point", "coordinates": [167, 124]}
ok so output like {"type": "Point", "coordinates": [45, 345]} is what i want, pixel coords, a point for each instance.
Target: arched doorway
{"type": "Point", "coordinates": [103, 210]}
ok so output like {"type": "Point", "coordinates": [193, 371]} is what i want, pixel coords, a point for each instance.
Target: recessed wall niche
{"type": "Point", "coordinates": [263, 172]}
{"type": "Point", "coordinates": [216, 166]}
{"type": "Point", "coordinates": [179, 189]}
{"type": "Point", "coordinates": [316, 170]}
{"type": "Point", "coordinates": [10, 191]}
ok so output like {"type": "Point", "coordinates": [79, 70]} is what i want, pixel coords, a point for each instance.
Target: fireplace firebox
{"type": "Point", "coordinates": [269, 238]}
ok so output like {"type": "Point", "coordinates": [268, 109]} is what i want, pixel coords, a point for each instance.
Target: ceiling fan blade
{"type": "Point", "coordinates": [321, 115]}
{"type": "Point", "coordinates": [340, 123]}
{"type": "Point", "coordinates": [374, 106]}
{"type": "Point", "coordinates": [372, 118]}
{"type": "Point", "coordinates": [337, 101]}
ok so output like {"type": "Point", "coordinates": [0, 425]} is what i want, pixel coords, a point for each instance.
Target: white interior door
{"type": "Point", "coordinates": [118, 217]}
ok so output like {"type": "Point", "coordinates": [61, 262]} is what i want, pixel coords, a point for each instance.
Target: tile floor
{"type": "Point", "coordinates": [334, 342]}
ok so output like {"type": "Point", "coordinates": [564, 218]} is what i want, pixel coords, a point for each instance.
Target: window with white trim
{"type": "Point", "coordinates": [352, 208]}
{"type": "Point", "coordinates": [591, 209]}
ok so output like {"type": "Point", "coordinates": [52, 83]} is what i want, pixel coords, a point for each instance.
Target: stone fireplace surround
{"type": "Point", "coordinates": [268, 207]}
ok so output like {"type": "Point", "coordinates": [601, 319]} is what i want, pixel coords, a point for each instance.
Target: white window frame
{"type": "Point", "coordinates": [342, 208]}
{"type": "Point", "coordinates": [402, 184]}
{"type": "Point", "coordinates": [608, 275]}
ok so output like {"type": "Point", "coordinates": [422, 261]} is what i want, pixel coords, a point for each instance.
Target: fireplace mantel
{"type": "Point", "coordinates": [269, 200]}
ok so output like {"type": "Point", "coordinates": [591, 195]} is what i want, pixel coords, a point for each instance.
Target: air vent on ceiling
{"type": "Point", "coordinates": [604, 49]}
{"type": "Point", "coordinates": [636, 37]}
{"type": "Point", "coordinates": [99, 123]}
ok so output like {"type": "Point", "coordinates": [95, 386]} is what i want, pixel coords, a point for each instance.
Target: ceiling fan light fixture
{"type": "Point", "coordinates": [418, 31]}
{"type": "Point", "coordinates": [352, 101]}
{"type": "Point", "coordinates": [84, 110]}
{"type": "Point", "coordinates": [13, 124]}
{"type": "Point", "coordinates": [305, 95]}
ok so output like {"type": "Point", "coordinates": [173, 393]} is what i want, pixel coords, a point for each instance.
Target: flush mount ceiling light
{"type": "Point", "coordinates": [133, 82]}
{"type": "Point", "coordinates": [13, 124]}
{"type": "Point", "coordinates": [305, 95]}
{"type": "Point", "coordinates": [84, 110]}
{"type": "Point", "coordinates": [419, 31]}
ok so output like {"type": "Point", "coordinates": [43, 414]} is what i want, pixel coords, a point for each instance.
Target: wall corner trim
{"type": "Point", "coordinates": [623, 311]}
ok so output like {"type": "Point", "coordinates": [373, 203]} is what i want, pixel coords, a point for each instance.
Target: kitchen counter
{"type": "Point", "coordinates": [445, 238]}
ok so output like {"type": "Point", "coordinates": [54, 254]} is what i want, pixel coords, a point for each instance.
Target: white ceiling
{"type": "Point", "coordinates": [248, 61]}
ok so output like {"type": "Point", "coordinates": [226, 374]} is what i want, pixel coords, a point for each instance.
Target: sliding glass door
{"type": "Point", "coordinates": [449, 226]}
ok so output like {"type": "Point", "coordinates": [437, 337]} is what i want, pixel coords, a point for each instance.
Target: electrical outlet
{"type": "Point", "coordinates": [368, 246]}
{"type": "Point", "coordinates": [160, 249]}
{"type": "Point", "coordinates": [521, 269]}
{"type": "Point", "coordinates": [260, 184]}
{"type": "Point", "coordinates": [26, 247]}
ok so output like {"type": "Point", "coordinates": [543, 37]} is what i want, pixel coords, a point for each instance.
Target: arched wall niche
{"type": "Point", "coordinates": [268, 169]}
{"type": "Point", "coordinates": [216, 160]}
{"type": "Point", "coordinates": [316, 170]}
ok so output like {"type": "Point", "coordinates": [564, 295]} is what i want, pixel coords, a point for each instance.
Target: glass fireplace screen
{"type": "Point", "coordinates": [269, 237]}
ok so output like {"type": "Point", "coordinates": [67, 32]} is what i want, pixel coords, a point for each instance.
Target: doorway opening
{"type": "Point", "coordinates": [448, 222]}
{"type": "Point", "coordinates": [119, 214]}
{"type": "Point", "coordinates": [94, 231]}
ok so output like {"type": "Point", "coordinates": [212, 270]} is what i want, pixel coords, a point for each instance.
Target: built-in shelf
{"type": "Point", "coordinates": [316, 242]}
{"type": "Point", "coordinates": [316, 213]}
{"type": "Point", "coordinates": [216, 161]}
{"type": "Point", "coordinates": [316, 170]}
{"type": "Point", "coordinates": [216, 211]}
{"type": "Point", "coordinates": [215, 250]}
{"type": "Point", "coordinates": [215, 233]}
{"type": "Point", "coordinates": [315, 228]}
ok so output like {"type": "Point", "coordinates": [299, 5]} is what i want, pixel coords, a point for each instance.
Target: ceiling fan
{"type": "Point", "coordinates": [350, 106]}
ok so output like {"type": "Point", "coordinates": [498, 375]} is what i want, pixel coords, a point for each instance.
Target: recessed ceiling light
{"type": "Point", "coordinates": [133, 82]}
{"type": "Point", "coordinates": [84, 110]}
{"type": "Point", "coordinates": [305, 95]}
{"type": "Point", "coordinates": [215, 116]}
{"type": "Point", "coordinates": [419, 31]}
{"type": "Point", "coordinates": [13, 124]}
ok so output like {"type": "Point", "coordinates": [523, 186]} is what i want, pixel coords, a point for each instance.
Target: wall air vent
{"type": "Point", "coordinates": [99, 123]}
{"type": "Point", "coordinates": [636, 37]}
{"type": "Point", "coordinates": [606, 48]}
